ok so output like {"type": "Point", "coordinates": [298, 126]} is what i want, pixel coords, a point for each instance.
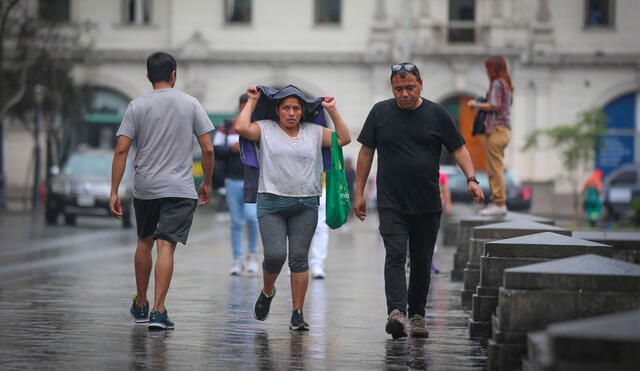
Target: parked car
{"type": "Point", "coordinates": [83, 187]}
{"type": "Point", "coordinates": [518, 196]}
{"type": "Point", "coordinates": [620, 188]}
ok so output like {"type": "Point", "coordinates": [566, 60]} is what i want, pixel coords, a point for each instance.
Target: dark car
{"type": "Point", "coordinates": [620, 189]}
{"type": "Point", "coordinates": [83, 187]}
{"type": "Point", "coordinates": [518, 196]}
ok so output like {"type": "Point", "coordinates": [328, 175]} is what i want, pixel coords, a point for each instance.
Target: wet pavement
{"type": "Point", "coordinates": [65, 294]}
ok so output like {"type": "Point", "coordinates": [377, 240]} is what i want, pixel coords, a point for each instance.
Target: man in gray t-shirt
{"type": "Point", "coordinates": [161, 125]}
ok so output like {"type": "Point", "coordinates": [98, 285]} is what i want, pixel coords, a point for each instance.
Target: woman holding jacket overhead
{"type": "Point", "coordinates": [290, 184]}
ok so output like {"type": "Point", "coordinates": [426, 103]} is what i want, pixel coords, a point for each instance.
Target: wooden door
{"type": "Point", "coordinates": [463, 118]}
{"type": "Point", "coordinates": [475, 144]}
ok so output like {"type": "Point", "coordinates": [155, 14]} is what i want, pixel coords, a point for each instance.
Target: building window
{"type": "Point", "coordinates": [137, 12]}
{"type": "Point", "coordinates": [237, 11]}
{"type": "Point", "coordinates": [54, 10]}
{"type": "Point", "coordinates": [599, 13]}
{"type": "Point", "coordinates": [327, 11]}
{"type": "Point", "coordinates": [462, 28]}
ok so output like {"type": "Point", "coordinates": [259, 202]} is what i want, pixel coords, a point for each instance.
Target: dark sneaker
{"type": "Point", "coordinates": [160, 321]}
{"type": "Point", "coordinates": [261, 309]}
{"type": "Point", "coordinates": [419, 326]}
{"type": "Point", "coordinates": [395, 324]}
{"type": "Point", "coordinates": [297, 321]}
{"type": "Point", "coordinates": [140, 314]}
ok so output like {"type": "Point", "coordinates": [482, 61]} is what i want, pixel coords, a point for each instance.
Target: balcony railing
{"type": "Point", "coordinates": [461, 32]}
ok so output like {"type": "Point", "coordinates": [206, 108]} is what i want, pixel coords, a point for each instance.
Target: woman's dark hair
{"type": "Point", "coordinates": [281, 100]}
{"type": "Point", "coordinates": [497, 69]}
{"type": "Point", "coordinates": [159, 67]}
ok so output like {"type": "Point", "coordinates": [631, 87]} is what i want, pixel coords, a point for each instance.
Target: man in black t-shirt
{"type": "Point", "coordinates": [408, 132]}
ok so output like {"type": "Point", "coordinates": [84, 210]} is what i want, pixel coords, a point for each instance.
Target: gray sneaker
{"type": "Point", "coordinates": [396, 324]}
{"type": "Point", "coordinates": [297, 321]}
{"type": "Point", "coordinates": [419, 326]}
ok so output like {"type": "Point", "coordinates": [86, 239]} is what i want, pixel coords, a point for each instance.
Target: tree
{"type": "Point", "coordinates": [6, 8]}
{"type": "Point", "coordinates": [36, 52]}
{"type": "Point", "coordinates": [577, 144]}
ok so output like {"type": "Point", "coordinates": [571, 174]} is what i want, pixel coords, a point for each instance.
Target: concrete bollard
{"type": "Point", "coordinates": [515, 252]}
{"type": "Point", "coordinates": [534, 296]}
{"type": "Point", "coordinates": [609, 342]}
{"type": "Point", "coordinates": [466, 225]}
{"type": "Point", "coordinates": [626, 245]}
{"type": "Point", "coordinates": [492, 232]}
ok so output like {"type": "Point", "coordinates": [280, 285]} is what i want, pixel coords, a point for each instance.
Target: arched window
{"type": "Point", "coordinates": [103, 112]}
{"type": "Point", "coordinates": [104, 101]}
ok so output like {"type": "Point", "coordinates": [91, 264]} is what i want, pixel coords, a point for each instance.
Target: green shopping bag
{"type": "Point", "coordinates": [338, 202]}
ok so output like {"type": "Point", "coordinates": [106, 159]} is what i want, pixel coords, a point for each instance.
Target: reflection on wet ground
{"type": "Point", "coordinates": [64, 305]}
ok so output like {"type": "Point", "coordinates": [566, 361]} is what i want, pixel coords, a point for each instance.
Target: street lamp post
{"type": "Point", "coordinates": [39, 92]}
{"type": "Point", "coordinates": [406, 30]}
{"type": "Point", "coordinates": [3, 199]}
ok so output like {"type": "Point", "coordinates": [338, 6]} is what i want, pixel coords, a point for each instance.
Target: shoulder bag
{"type": "Point", "coordinates": [478, 122]}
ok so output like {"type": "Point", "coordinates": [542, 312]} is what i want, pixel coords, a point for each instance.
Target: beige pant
{"type": "Point", "coordinates": [497, 141]}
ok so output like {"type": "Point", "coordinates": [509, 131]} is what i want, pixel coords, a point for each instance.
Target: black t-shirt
{"type": "Point", "coordinates": [409, 144]}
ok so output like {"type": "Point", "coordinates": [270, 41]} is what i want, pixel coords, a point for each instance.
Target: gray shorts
{"type": "Point", "coordinates": [166, 219]}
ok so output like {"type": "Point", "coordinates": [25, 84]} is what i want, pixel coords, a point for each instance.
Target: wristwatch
{"type": "Point", "coordinates": [472, 179]}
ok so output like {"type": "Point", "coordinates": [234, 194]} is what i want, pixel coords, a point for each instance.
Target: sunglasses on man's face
{"type": "Point", "coordinates": [407, 67]}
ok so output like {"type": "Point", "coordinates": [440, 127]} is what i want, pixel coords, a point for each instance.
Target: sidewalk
{"type": "Point", "coordinates": [74, 314]}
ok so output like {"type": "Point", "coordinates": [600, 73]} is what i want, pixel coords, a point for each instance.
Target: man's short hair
{"type": "Point", "coordinates": [244, 98]}
{"type": "Point", "coordinates": [402, 69]}
{"type": "Point", "coordinates": [159, 67]}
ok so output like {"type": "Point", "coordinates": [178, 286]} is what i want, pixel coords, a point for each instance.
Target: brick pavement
{"type": "Point", "coordinates": [65, 306]}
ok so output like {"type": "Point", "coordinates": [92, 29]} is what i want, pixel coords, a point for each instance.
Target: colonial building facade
{"type": "Point", "coordinates": [564, 57]}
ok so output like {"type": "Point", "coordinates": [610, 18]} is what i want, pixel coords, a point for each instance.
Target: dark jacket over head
{"type": "Point", "coordinates": [266, 110]}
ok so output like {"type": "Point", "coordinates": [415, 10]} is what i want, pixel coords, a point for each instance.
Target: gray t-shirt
{"type": "Point", "coordinates": [162, 124]}
{"type": "Point", "coordinates": [290, 166]}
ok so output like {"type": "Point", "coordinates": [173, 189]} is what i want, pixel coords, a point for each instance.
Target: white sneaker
{"type": "Point", "coordinates": [494, 209]}
{"type": "Point", "coordinates": [236, 268]}
{"type": "Point", "coordinates": [252, 264]}
{"type": "Point", "coordinates": [317, 274]}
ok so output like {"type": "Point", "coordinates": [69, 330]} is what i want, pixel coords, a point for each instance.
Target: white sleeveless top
{"type": "Point", "coordinates": [290, 166]}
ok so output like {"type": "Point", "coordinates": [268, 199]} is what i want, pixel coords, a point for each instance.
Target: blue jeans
{"type": "Point", "coordinates": [241, 213]}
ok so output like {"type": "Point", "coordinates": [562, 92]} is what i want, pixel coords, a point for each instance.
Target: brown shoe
{"type": "Point", "coordinates": [419, 326]}
{"type": "Point", "coordinates": [396, 324]}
